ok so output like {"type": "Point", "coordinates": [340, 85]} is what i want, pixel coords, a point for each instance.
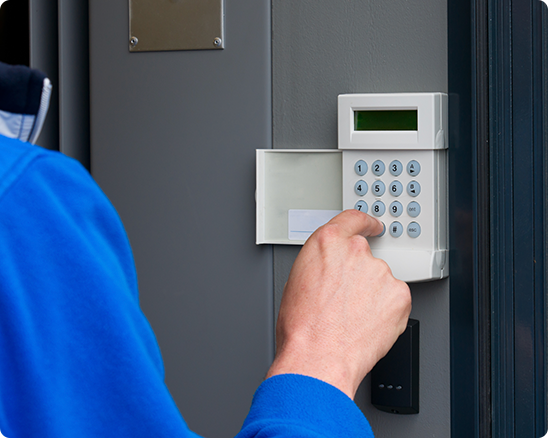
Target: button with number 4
{"type": "Point", "coordinates": [360, 188]}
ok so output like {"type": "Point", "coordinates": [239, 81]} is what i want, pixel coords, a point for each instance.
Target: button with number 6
{"type": "Point", "coordinates": [396, 188]}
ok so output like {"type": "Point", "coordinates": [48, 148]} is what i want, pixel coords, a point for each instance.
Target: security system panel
{"type": "Point", "coordinates": [391, 163]}
{"type": "Point", "coordinates": [395, 168]}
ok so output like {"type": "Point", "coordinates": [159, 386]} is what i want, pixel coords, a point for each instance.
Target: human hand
{"type": "Point", "coordinates": [342, 310]}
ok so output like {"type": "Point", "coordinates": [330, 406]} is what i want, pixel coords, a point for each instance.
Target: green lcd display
{"type": "Point", "coordinates": [386, 120]}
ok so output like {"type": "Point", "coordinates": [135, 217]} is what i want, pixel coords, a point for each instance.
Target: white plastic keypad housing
{"type": "Point", "coordinates": [300, 189]}
{"type": "Point", "coordinates": [420, 252]}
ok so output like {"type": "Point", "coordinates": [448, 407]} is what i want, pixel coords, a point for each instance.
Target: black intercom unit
{"type": "Point", "coordinates": [395, 378]}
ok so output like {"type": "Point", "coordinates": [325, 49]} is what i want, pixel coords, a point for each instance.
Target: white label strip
{"type": "Point", "coordinates": [302, 223]}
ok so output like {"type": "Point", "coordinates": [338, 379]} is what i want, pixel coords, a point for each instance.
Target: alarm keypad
{"type": "Point", "coordinates": [399, 192]}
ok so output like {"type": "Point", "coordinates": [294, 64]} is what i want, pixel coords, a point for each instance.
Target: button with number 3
{"type": "Point", "coordinates": [395, 167]}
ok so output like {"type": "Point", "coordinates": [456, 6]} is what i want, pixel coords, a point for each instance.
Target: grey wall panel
{"type": "Point", "coordinates": [173, 136]}
{"type": "Point", "coordinates": [322, 48]}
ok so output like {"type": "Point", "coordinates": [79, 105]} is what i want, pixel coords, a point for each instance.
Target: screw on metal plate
{"type": "Point", "coordinates": [217, 42]}
{"type": "Point", "coordinates": [133, 41]}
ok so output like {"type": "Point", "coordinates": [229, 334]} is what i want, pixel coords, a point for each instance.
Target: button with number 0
{"type": "Point", "coordinates": [360, 188]}
{"type": "Point", "coordinates": [360, 167]}
{"type": "Point", "coordinates": [361, 206]}
{"type": "Point", "coordinates": [378, 208]}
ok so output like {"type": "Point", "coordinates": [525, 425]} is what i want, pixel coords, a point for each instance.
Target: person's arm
{"type": "Point", "coordinates": [342, 310]}
{"type": "Point", "coordinates": [77, 356]}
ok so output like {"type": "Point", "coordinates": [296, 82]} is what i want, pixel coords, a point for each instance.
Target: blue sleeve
{"type": "Point", "coordinates": [296, 406]}
{"type": "Point", "coordinates": [77, 356]}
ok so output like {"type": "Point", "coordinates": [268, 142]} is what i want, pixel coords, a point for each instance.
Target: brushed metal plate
{"type": "Point", "coordinates": [156, 25]}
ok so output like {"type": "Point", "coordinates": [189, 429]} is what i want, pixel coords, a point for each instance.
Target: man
{"type": "Point", "coordinates": [77, 356]}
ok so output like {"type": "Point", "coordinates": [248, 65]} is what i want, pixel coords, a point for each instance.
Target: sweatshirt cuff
{"type": "Point", "coordinates": [303, 406]}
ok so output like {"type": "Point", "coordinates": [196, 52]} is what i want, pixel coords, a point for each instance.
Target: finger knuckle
{"type": "Point", "coordinates": [327, 234]}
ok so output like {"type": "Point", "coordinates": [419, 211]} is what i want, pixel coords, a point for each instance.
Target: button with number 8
{"type": "Point", "coordinates": [378, 208]}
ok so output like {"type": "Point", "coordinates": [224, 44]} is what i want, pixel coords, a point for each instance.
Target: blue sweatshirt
{"type": "Point", "coordinates": [77, 356]}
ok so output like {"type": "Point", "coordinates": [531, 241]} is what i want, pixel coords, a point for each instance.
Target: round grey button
{"type": "Point", "coordinates": [413, 168]}
{"type": "Point", "coordinates": [360, 167]}
{"type": "Point", "coordinates": [396, 188]}
{"type": "Point", "coordinates": [378, 208]}
{"type": "Point", "coordinates": [414, 229]}
{"type": "Point", "coordinates": [378, 168]}
{"type": "Point", "coordinates": [378, 188]}
{"type": "Point", "coordinates": [413, 209]}
{"type": "Point", "coordinates": [395, 167]}
{"type": "Point", "coordinates": [361, 206]}
{"type": "Point", "coordinates": [383, 231]}
{"type": "Point", "coordinates": [396, 229]}
{"type": "Point", "coordinates": [360, 188]}
{"type": "Point", "coordinates": [395, 209]}
{"type": "Point", "coordinates": [413, 188]}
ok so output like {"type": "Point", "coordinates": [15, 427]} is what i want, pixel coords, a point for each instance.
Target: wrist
{"type": "Point", "coordinates": [338, 372]}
